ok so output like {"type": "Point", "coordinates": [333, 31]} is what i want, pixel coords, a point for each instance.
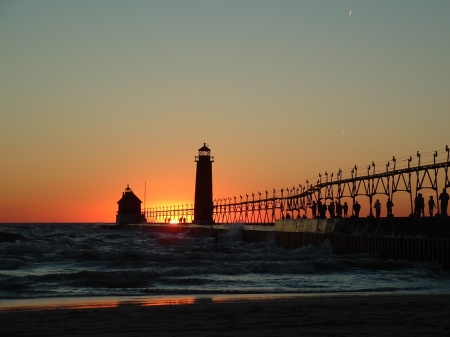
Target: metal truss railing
{"type": "Point", "coordinates": [409, 175]}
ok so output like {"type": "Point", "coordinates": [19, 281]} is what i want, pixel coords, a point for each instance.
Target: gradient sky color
{"type": "Point", "coordinates": [95, 95]}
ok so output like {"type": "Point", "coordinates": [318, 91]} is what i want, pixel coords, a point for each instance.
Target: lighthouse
{"type": "Point", "coordinates": [129, 209]}
{"type": "Point", "coordinates": [203, 201]}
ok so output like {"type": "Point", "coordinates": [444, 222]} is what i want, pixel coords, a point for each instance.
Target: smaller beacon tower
{"type": "Point", "coordinates": [203, 201]}
{"type": "Point", "coordinates": [129, 209]}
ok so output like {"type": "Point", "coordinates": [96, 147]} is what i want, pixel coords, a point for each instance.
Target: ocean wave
{"type": "Point", "coordinates": [377, 264]}
{"type": "Point", "coordinates": [11, 237]}
{"type": "Point", "coordinates": [8, 263]}
{"type": "Point", "coordinates": [111, 283]}
{"type": "Point", "coordinates": [27, 247]}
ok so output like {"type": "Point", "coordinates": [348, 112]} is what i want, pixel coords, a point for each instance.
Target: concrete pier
{"type": "Point", "coordinates": [248, 232]}
{"type": "Point", "coordinates": [437, 227]}
{"type": "Point", "coordinates": [409, 239]}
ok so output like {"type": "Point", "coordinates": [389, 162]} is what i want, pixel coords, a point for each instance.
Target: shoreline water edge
{"type": "Point", "coordinates": [412, 315]}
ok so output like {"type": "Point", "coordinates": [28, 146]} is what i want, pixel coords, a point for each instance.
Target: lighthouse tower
{"type": "Point", "coordinates": [203, 201]}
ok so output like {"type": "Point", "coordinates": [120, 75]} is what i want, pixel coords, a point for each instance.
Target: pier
{"type": "Point", "coordinates": [290, 216]}
{"type": "Point", "coordinates": [408, 239]}
{"type": "Point", "coordinates": [406, 175]}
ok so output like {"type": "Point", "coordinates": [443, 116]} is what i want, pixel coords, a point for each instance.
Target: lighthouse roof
{"type": "Point", "coordinates": [204, 148]}
{"type": "Point", "coordinates": [129, 197]}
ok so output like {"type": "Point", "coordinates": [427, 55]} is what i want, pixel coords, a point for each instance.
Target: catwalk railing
{"type": "Point", "coordinates": [411, 175]}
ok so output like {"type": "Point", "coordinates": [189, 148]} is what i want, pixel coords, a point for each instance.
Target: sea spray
{"type": "Point", "coordinates": [235, 232]}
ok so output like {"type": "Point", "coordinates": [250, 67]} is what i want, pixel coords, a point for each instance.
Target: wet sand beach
{"type": "Point", "coordinates": [412, 315]}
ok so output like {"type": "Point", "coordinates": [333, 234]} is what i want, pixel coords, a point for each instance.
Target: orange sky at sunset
{"type": "Point", "coordinates": [98, 95]}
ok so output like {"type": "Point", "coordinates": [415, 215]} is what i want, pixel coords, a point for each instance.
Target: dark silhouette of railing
{"type": "Point", "coordinates": [410, 175]}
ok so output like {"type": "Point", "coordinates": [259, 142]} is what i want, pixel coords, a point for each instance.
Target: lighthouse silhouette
{"type": "Point", "coordinates": [203, 201]}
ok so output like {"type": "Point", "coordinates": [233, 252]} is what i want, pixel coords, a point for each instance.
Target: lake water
{"type": "Point", "coordinates": [73, 260]}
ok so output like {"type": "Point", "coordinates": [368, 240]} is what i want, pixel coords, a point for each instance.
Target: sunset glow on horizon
{"type": "Point", "coordinates": [98, 95]}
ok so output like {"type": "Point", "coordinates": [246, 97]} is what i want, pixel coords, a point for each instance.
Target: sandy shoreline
{"type": "Point", "coordinates": [414, 315]}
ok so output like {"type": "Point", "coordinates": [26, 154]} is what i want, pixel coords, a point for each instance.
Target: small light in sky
{"type": "Point", "coordinates": [350, 13]}
{"type": "Point", "coordinates": [343, 130]}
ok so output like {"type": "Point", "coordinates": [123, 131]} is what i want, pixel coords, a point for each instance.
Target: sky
{"type": "Point", "coordinates": [95, 95]}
